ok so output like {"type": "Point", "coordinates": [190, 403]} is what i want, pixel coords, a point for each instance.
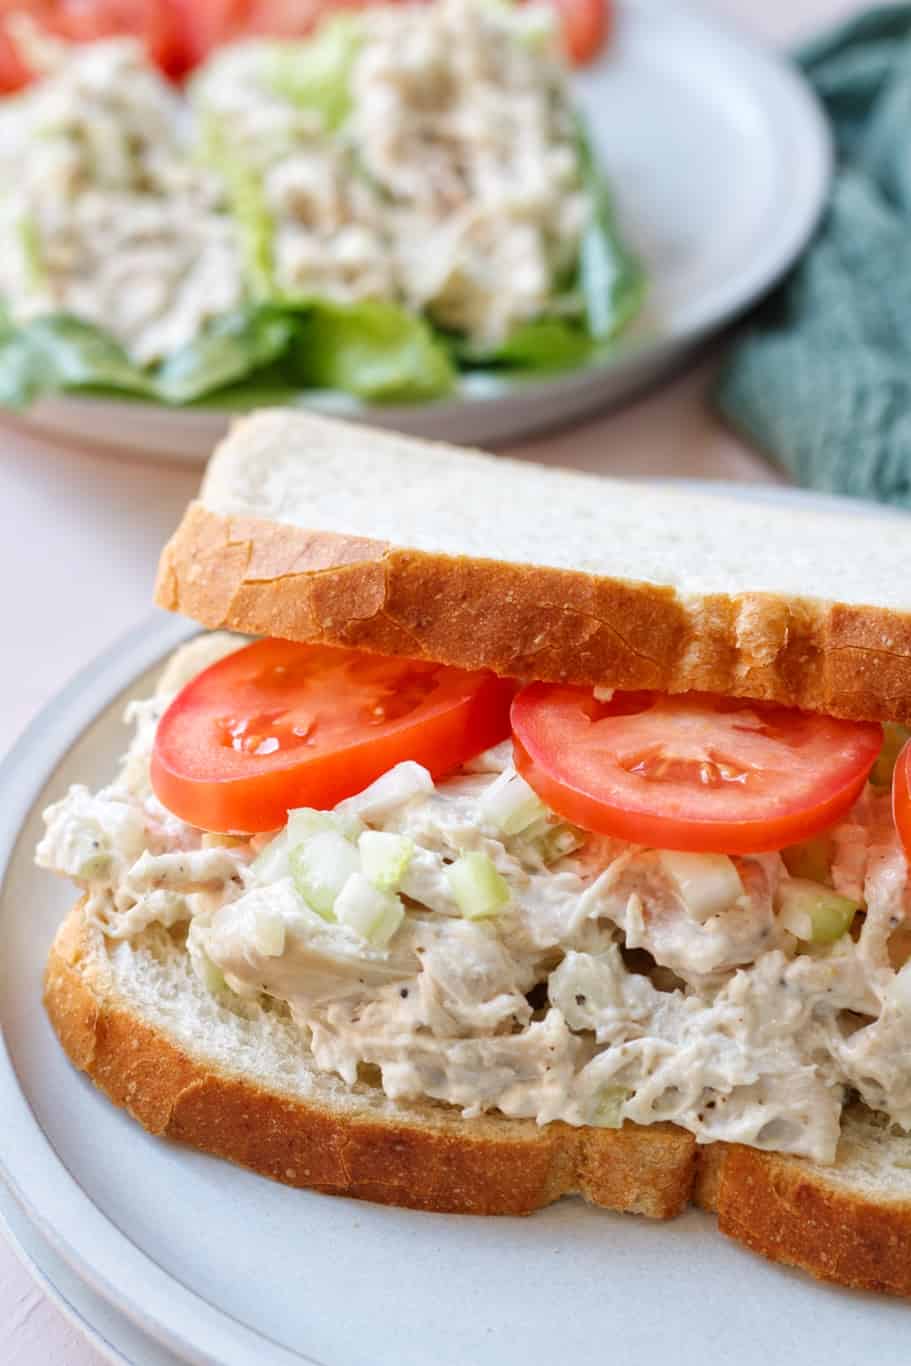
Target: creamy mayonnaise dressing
{"type": "Point", "coordinates": [448, 179]}
{"type": "Point", "coordinates": [105, 215]}
{"type": "Point", "coordinates": [596, 993]}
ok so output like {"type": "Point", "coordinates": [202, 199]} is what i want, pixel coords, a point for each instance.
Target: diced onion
{"type": "Point", "coordinates": [213, 841]}
{"type": "Point", "coordinates": [510, 804]}
{"type": "Point", "coordinates": [320, 868]}
{"type": "Point", "coordinates": [609, 1103]}
{"type": "Point", "coordinates": [707, 883]}
{"type": "Point", "coordinates": [477, 888]}
{"type": "Point", "coordinates": [900, 989]}
{"type": "Point", "coordinates": [371, 913]}
{"type": "Point", "coordinates": [400, 785]}
{"type": "Point", "coordinates": [212, 978]}
{"type": "Point", "coordinates": [94, 867]}
{"type": "Point", "coordinates": [385, 858]}
{"type": "Point", "coordinates": [560, 841]}
{"type": "Point", "coordinates": [269, 933]}
{"type": "Point", "coordinates": [271, 863]}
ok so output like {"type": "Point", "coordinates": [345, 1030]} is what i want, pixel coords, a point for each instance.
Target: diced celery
{"type": "Point", "coordinates": [814, 914]}
{"type": "Point", "coordinates": [609, 1103]}
{"type": "Point", "coordinates": [811, 860]}
{"type": "Point", "coordinates": [477, 888]}
{"type": "Point", "coordinates": [320, 868]}
{"type": "Point", "coordinates": [511, 805]}
{"type": "Point", "coordinates": [305, 821]}
{"type": "Point", "coordinates": [895, 737]}
{"type": "Point", "coordinates": [385, 857]}
{"type": "Point", "coordinates": [32, 253]}
{"type": "Point", "coordinates": [316, 74]}
{"type": "Point", "coordinates": [707, 883]}
{"type": "Point", "coordinates": [373, 914]}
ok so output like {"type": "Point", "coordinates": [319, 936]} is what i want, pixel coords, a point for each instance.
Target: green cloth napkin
{"type": "Point", "coordinates": [822, 379]}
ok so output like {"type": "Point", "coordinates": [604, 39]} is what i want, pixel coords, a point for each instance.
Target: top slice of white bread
{"type": "Point", "coordinates": [319, 530]}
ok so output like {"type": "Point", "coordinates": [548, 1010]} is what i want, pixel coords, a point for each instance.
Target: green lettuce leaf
{"type": "Point", "coordinates": [543, 344]}
{"type": "Point", "coordinates": [246, 201]}
{"type": "Point", "coordinates": [239, 346]}
{"type": "Point", "coordinates": [316, 74]}
{"type": "Point", "coordinates": [372, 349]}
{"type": "Point", "coordinates": [610, 278]}
{"type": "Point", "coordinates": [58, 352]}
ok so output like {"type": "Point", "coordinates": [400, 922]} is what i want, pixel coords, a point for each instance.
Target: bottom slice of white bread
{"type": "Point", "coordinates": [133, 1015]}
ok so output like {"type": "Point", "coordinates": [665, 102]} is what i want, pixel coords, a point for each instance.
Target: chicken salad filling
{"type": "Point", "coordinates": [423, 159]}
{"type": "Point", "coordinates": [460, 942]}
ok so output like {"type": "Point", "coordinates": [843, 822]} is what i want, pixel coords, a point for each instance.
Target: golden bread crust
{"type": "Point", "coordinates": [264, 578]}
{"type": "Point", "coordinates": [428, 1157]}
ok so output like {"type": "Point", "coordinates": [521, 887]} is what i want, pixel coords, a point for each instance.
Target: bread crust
{"type": "Point", "coordinates": [426, 1158]}
{"type": "Point", "coordinates": [791, 1212]}
{"type": "Point", "coordinates": [264, 578]}
{"type": "Point", "coordinates": [429, 1158]}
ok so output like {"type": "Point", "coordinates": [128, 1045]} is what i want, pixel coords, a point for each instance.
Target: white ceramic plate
{"type": "Point", "coordinates": [111, 1333]}
{"type": "Point", "coordinates": [219, 1266]}
{"type": "Point", "coordinates": [720, 161]}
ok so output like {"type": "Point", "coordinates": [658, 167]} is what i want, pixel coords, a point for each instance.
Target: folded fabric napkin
{"type": "Point", "coordinates": [822, 378]}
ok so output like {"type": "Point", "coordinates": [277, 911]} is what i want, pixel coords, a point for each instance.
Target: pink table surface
{"type": "Point", "coordinates": [86, 577]}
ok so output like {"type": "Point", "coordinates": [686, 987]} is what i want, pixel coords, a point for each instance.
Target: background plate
{"type": "Point", "coordinates": [220, 1266]}
{"type": "Point", "coordinates": [720, 161]}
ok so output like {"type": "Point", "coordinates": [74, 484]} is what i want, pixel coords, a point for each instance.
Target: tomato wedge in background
{"type": "Point", "coordinates": [207, 24]}
{"type": "Point", "coordinates": [279, 725]}
{"type": "Point", "coordinates": [179, 34]}
{"type": "Point", "coordinates": [901, 798]}
{"type": "Point", "coordinates": [154, 22]}
{"type": "Point", "coordinates": [585, 25]}
{"type": "Point", "coordinates": [693, 772]}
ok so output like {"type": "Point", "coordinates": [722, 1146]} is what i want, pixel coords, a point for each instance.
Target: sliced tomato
{"type": "Point", "coordinates": [208, 24]}
{"type": "Point", "coordinates": [14, 70]}
{"type": "Point", "coordinates": [154, 22]}
{"type": "Point", "coordinates": [585, 25]}
{"type": "Point", "coordinates": [901, 798]}
{"type": "Point", "coordinates": [279, 725]}
{"type": "Point", "coordinates": [693, 772]}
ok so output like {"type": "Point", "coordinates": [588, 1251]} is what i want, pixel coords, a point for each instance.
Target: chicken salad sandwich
{"type": "Point", "coordinates": [539, 834]}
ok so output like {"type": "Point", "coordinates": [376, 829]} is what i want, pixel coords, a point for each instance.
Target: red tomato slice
{"type": "Point", "coordinates": [585, 25]}
{"type": "Point", "coordinates": [901, 798]}
{"type": "Point", "coordinates": [279, 725]}
{"type": "Point", "coordinates": [692, 772]}
{"type": "Point", "coordinates": [154, 22]}
{"type": "Point", "coordinates": [208, 24]}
